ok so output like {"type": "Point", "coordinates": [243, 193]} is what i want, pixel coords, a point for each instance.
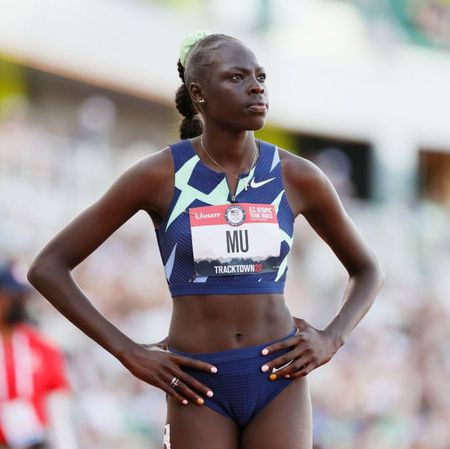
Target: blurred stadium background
{"type": "Point", "coordinates": [361, 87]}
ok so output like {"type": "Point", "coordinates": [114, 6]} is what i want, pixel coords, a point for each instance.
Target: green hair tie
{"type": "Point", "coordinates": [189, 41]}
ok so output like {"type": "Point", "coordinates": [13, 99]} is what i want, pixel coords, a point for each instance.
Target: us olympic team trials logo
{"type": "Point", "coordinates": [235, 215]}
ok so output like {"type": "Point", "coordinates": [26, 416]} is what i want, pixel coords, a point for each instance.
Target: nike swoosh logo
{"type": "Point", "coordinates": [255, 184]}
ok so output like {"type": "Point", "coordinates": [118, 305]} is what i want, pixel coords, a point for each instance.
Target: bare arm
{"type": "Point", "coordinates": [147, 185]}
{"type": "Point", "coordinates": [311, 193]}
{"type": "Point", "coordinates": [50, 272]}
{"type": "Point", "coordinates": [324, 211]}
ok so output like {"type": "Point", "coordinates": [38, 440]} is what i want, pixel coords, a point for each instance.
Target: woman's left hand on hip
{"type": "Point", "coordinates": [310, 348]}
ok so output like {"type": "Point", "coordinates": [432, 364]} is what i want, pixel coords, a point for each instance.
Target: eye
{"type": "Point", "coordinates": [262, 76]}
{"type": "Point", "coordinates": [237, 76]}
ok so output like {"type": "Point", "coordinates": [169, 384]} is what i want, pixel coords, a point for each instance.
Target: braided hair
{"type": "Point", "coordinates": [199, 58]}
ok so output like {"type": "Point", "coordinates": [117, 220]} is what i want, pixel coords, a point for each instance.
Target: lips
{"type": "Point", "coordinates": [258, 107]}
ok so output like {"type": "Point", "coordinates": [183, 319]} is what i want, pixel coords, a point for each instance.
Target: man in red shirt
{"type": "Point", "coordinates": [31, 368]}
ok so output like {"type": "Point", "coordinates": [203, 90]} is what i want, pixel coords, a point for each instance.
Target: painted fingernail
{"type": "Point", "coordinates": [185, 402]}
{"type": "Point", "coordinates": [214, 369]}
{"type": "Point", "coordinates": [273, 377]}
{"type": "Point", "coordinates": [264, 351]}
{"type": "Point", "coordinates": [200, 401]}
{"type": "Point", "coordinates": [287, 376]}
{"type": "Point", "coordinates": [264, 368]}
{"type": "Point", "coordinates": [210, 394]}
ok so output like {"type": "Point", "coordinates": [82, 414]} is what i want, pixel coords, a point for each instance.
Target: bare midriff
{"type": "Point", "coordinates": [210, 323]}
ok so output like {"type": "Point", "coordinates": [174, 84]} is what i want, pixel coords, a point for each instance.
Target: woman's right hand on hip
{"type": "Point", "coordinates": [157, 366]}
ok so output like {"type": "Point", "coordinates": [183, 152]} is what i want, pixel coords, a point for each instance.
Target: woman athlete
{"type": "Point", "coordinates": [235, 362]}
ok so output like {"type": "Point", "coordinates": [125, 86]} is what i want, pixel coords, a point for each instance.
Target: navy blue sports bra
{"type": "Point", "coordinates": [212, 243]}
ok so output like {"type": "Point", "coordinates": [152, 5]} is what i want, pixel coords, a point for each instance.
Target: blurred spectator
{"type": "Point", "coordinates": [31, 370]}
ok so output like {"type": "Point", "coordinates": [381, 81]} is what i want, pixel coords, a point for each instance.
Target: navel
{"type": "Point", "coordinates": [238, 336]}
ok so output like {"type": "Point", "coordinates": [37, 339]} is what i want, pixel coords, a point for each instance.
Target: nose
{"type": "Point", "coordinates": [255, 87]}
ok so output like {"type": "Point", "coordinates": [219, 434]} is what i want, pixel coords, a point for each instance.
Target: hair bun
{"type": "Point", "coordinates": [189, 41]}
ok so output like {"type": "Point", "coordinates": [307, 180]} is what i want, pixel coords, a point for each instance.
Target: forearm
{"type": "Point", "coordinates": [361, 291]}
{"type": "Point", "coordinates": [56, 284]}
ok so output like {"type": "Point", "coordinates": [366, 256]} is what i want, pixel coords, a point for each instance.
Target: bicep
{"type": "Point", "coordinates": [328, 218]}
{"type": "Point", "coordinates": [94, 225]}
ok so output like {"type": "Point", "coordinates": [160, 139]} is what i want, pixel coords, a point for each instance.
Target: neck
{"type": "Point", "coordinates": [232, 149]}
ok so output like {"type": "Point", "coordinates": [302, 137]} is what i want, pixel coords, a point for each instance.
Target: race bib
{"type": "Point", "coordinates": [20, 423]}
{"type": "Point", "coordinates": [234, 239]}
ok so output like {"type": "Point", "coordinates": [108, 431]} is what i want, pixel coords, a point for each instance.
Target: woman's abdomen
{"type": "Point", "coordinates": [204, 323]}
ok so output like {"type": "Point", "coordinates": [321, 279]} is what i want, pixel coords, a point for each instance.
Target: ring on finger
{"type": "Point", "coordinates": [174, 382]}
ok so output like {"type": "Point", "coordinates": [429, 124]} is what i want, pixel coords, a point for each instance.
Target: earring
{"type": "Point", "coordinates": [201, 100]}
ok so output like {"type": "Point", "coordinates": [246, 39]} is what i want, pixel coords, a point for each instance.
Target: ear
{"type": "Point", "coordinates": [196, 93]}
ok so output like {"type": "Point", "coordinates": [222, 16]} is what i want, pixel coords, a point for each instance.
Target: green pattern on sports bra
{"type": "Point", "coordinates": [284, 237]}
{"type": "Point", "coordinates": [188, 193]}
{"type": "Point", "coordinates": [283, 265]}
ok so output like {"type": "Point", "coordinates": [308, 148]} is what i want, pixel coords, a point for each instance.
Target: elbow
{"type": "Point", "coordinates": [34, 273]}
{"type": "Point", "coordinates": [39, 270]}
{"type": "Point", "coordinates": [377, 272]}
{"type": "Point", "coordinates": [372, 269]}
{"type": "Point", "coordinates": [380, 273]}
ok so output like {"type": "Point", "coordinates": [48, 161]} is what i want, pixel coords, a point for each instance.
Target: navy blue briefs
{"type": "Point", "coordinates": [240, 388]}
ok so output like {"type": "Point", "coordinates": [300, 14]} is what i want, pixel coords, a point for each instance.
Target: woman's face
{"type": "Point", "coordinates": [234, 89]}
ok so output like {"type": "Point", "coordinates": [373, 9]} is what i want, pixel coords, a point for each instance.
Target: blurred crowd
{"type": "Point", "coordinates": [386, 388]}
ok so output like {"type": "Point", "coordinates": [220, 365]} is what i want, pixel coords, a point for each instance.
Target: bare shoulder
{"type": "Point", "coordinates": [151, 178]}
{"type": "Point", "coordinates": [304, 181]}
{"type": "Point", "coordinates": [311, 193]}
{"type": "Point", "coordinates": [299, 169]}
{"type": "Point", "coordinates": [154, 167]}
{"type": "Point", "coordinates": [159, 161]}
{"type": "Point", "coordinates": [145, 185]}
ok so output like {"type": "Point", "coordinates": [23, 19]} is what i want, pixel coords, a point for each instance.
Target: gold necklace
{"type": "Point", "coordinates": [223, 168]}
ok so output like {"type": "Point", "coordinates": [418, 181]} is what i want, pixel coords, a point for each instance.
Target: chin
{"type": "Point", "coordinates": [253, 122]}
{"type": "Point", "coordinates": [246, 124]}
{"type": "Point", "coordinates": [256, 124]}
